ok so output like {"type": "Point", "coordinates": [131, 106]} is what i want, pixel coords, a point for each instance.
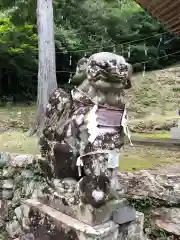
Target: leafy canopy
{"type": "Point", "coordinates": [81, 27]}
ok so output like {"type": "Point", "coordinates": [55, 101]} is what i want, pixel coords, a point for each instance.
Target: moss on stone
{"type": "Point", "coordinates": [10, 213]}
{"type": "Point", "coordinates": [146, 206]}
{"type": "Point", "coordinates": [3, 236]}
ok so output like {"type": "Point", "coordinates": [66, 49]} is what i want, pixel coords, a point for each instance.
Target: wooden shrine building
{"type": "Point", "coordinates": [165, 11]}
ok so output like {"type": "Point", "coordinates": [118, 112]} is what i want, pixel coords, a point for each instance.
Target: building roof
{"type": "Point", "coordinates": [166, 11]}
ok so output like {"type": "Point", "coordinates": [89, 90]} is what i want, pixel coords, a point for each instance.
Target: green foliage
{"type": "Point", "coordinates": [3, 235]}
{"type": "Point", "coordinates": [85, 25]}
{"type": "Point", "coordinates": [18, 48]}
{"type": "Point", "coordinates": [141, 205]}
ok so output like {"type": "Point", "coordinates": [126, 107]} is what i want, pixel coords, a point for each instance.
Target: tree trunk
{"type": "Point", "coordinates": [47, 65]}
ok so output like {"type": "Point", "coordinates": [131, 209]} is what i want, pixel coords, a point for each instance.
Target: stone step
{"type": "Point", "coordinates": [106, 231]}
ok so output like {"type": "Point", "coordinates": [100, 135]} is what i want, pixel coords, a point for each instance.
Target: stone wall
{"type": "Point", "coordinates": [20, 177]}
{"type": "Point", "coordinates": [155, 196]}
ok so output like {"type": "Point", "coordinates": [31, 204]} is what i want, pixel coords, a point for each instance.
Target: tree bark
{"type": "Point", "coordinates": [47, 65]}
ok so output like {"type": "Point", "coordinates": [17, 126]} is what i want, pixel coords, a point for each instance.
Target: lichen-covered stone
{"type": "Point", "coordinates": [7, 172]}
{"type": "Point", "coordinates": [6, 194]}
{"type": "Point", "coordinates": [146, 183]}
{"type": "Point", "coordinates": [4, 159]}
{"type": "Point", "coordinates": [51, 227]}
{"type": "Point", "coordinates": [156, 194]}
{"type": "Point", "coordinates": [16, 197]}
{"type": "Point", "coordinates": [18, 212]}
{"type": "Point", "coordinates": [85, 129]}
{"type": "Point", "coordinates": [7, 184]}
{"type": "Point", "coordinates": [3, 212]}
{"type": "Point", "coordinates": [27, 174]}
{"type": "Point", "coordinates": [28, 187]}
{"type": "Point", "coordinates": [133, 230]}
{"type": "Point", "coordinates": [22, 160]}
{"type": "Point", "coordinates": [83, 212]}
{"type": "Point", "coordinates": [39, 190]}
{"type": "Point", "coordinates": [167, 219]}
{"type": "Point", "coordinates": [13, 229]}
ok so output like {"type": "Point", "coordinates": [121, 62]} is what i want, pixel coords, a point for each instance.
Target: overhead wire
{"type": "Point", "coordinates": [114, 45]}
{"type": "Point", "coordinates": [166, 55]}
{"type": "Point", "coordinates": [110, 46]}
{"type": "Point", "coordinates": [143, 62]}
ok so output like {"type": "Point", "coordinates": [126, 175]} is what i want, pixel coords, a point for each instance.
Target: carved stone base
{"type": "Point", "coordinates": [47, 223]}
{"type": "Point", "coordinates": [84, 212]}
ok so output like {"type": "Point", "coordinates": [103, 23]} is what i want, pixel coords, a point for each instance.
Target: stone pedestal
{"type": "Point", "coordinates": [124, 214]}
{"type": "Point", "coordinates": [52, 224]}
{"type": "Point", "coordinates": [86, 213]}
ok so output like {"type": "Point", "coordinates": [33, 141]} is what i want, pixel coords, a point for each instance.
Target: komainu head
{"type": "Point", "coordinates": [104, 70]}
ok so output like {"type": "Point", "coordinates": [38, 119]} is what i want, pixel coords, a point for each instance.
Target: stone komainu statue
{"type": "Point", "coordinates": [85, 129]}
